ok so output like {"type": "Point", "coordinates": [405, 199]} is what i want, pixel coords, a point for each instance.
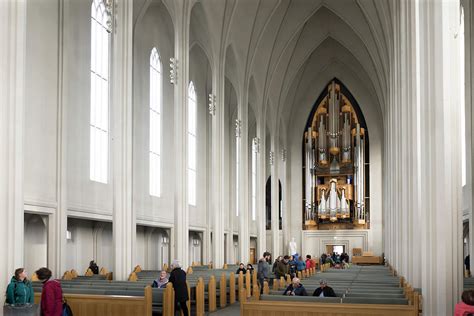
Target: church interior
{"type": "Point", "coordinates": [142, 133]}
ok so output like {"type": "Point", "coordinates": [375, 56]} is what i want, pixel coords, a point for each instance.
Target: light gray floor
{"type": "Point", "coordinates": [232, 310]}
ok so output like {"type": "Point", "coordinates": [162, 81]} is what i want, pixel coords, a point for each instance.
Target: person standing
{"type": "Point", "coordinates": [178, 279]}
{"type": "Point", "coordinates": [467, 263]}
{"type": "Point", "coordinates": [51, 295]}
{"type": "Point", "coordinates": [263, 269]}
{"type": "Point", "coordinates": [20, 291]}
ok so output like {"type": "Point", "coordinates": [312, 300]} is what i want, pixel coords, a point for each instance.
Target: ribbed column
{"type": "Point", "coordinates": [274, 170]}
{"type": "Point", "coordinates": [243, 177]}
{"type": "Point", "coordinates": [12, 90]}
{"type": "Point", "coordinates": [218, 170]}
{"type": "Point", "coordinates": [262, 159]}
{"type": "Point", "coordinates": [124, 220]}
{"type": "Point", "coordinates": [181, 217]}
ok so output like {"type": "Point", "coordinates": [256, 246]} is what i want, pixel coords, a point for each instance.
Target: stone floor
{"type": "Point", "coordinates": [232, 310]}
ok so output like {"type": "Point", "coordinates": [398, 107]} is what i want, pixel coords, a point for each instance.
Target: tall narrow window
{"type": "Point", "coordinates": [99, 118]}
{"type": "Point", "coordinates": [254, 178]}
{"type": "Point", "coordinates": [192, 144]}
{"type": "Point", "coordinates": [155, 123]}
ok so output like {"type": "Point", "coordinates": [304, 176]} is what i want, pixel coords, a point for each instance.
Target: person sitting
{"type": "Point", "coordinates": [466, 306]}
{"type": "Point", "coordinates": [250, 268]}
{"type": "Point", "coordinates": [300, 264]}
{"type": "Point", "coordinates": [295, 288]}
{"type": "Point", "coordinates": [20, 290]}
{"type": "Point", "coordinates": [324, 258]}
{"type": "Point", "coordinates": [241, 269]}
{"type": "Point", "coordinates": [94, 267]}
{"type": "Point", "coordinates": [292, 265]}
{"type": "Point", "coordinates": [324, 290]}
{"type": "Point", "coordinates": [161, 281]}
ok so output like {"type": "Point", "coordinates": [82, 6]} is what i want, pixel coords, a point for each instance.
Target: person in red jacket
{"type": "Point", "coordinates": [466, 306]}
{"type": "Point", "coordinates": [51, 295]}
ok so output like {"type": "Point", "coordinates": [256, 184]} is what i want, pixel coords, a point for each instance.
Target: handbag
{"type": "Point", "coordinates": [67, 311]}
{"type": "Point", "coordinates": [21, 310]}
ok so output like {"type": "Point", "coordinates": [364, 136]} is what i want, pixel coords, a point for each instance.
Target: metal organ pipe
{"type": "Point", "coordinates": [346, 137]}
{"type": "Point", "coordinates": [322, 154]}
{"type": "Point", "coordinates": [308, 177]}
{"type": "Point", "coordinates": [334, 101]}
{"type": "Point", "coordinates": [359, 175]}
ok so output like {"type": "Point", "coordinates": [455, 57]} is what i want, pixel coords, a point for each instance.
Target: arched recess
{"type": "Point", "coordinates": [336, 154]}
{"type": "Point", "coordinates": [36, 242]}
{"type": "Point", "coordinates": [153, 29]}
{"type": "Point", "coordinates": [268, 204]}
{"type": "Point", "coordinates": [200, 74]}
{"type": "Point", "coordinates": [195, 247]}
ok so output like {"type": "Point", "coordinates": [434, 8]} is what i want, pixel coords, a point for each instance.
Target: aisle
{"type": "Point", "coordinates": [232, 310]}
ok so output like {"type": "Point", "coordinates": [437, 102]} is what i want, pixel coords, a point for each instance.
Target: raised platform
{"type": "Point", "coordinates": [366, 260]}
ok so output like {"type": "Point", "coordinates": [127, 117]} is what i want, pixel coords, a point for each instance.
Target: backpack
{"type": "Point", "coordinates": [67, 311]}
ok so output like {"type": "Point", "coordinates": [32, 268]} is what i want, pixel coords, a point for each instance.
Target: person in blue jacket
{"type": "Point", "coordinates": [20, 290]}
{"type": "Point", "coordinates": [300, 264]}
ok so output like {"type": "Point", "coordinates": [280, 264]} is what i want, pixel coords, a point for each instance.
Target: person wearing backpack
{"type": "Point", "coordinates": [51, 295]}
{"type": "Point", "coordinates": [20, 290]}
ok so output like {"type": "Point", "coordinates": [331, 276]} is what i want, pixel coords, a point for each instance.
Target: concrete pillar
{"type": "Point", "coordinates": [275, 162]}
{"type": "Point", "coordinates": [261, 182]}
{"type": "Point", "coordinates": [121, 109]}
{"type": "Point", "coordinates": [181, 217]}
{"type": "Point", "coordinates": [243, 177]}
{"type": "Point", "coordinates": [218, 167]}
{"type": "Point", "coordinates": [12, 91]}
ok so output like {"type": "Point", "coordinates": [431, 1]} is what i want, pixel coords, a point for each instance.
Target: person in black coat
{"type": "Point", "coordinates": [94, 267]}
{"type": "Point", "coordinates": [241, 269]}
{"type": "Point", "coordinates": [324, 290]}
{"type": "Point", "coordinates": [178, 279]}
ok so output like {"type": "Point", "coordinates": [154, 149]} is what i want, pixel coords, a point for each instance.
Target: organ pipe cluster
{"type": "Point", "coordinates": [334, 162]}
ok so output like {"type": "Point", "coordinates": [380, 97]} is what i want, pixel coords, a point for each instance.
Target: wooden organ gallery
{"type": "Point", "coordinates": [336, 163]}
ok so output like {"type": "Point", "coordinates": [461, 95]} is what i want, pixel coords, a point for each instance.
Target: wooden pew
{"type": "Point", "coordinates": [289, 308]}
{"type": "Point", "coordinates": [232, 288]}
{"type": "Point", "coordinates": [110, 305]}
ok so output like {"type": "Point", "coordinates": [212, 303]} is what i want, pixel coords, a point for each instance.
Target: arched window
{"type": "Point", "coordinates": [155, 123]}
{"type": "Point", "coordinates": [192, 144]}
{"type": "Point", "coordinates": [99, 102]}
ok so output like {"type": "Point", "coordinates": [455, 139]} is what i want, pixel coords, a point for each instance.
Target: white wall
{"type": "Point", "coordinates": [155, 29]}
{"type": "Point", "coordinates": [36, 239]}
{"type": "Point", "coordinates": [41, 103]}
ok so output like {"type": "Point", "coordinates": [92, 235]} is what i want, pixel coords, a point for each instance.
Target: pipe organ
{"type": "Point", "coordinates": [335, 164]}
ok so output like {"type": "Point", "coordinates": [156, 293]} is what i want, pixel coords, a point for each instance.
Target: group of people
{"type": "Point", "coordinates": [243, 269]}
{"type": "Point", "coordinates": [20, 292]}
{"type": "Point", "coordinates": [335, 259]}
{"type": "Point", "coordinates": [297, 289]}
{"type": "Point", "coordinates": [284, 265]}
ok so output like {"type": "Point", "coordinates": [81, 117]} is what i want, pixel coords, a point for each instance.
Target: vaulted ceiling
{"type": "Point", "coordinates": [272, 47]}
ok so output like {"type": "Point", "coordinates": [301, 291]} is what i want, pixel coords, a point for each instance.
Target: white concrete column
{"type": "Point", "coordinates": [261, 182]}
{"type": "Point", "coordinates": [216, 109]}
{"type": "Point", "coordinates": [181, 209]}
{"type": "Point", "coordinates": [243, 177]}
{"type": "Point", "coordinates": [57, 224]}
{"type": "Point", "coordinates": [12, 91]}
{"type": "Point", "coordinates": [441, 234]}
{"type": "Point", "coordinates": [124, 219]}
{"type": "Point", "coordinates": [275, 162]}
{"type": "Point", "coordinates": [284, 208]}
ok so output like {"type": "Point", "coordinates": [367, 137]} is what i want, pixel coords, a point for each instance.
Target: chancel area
{"type": "Point", "coordinates": [324, 144]}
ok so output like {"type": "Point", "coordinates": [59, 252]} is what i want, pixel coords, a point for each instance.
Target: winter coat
{"type": "Point", "coordinates": [178, 278]}
{"type": "Point", "coordinates": [328, 292]}
{"type": "Point", "coordinates": [296, 291]}
{"type": "Point", "coordinates": [282, 269]}
{"type": "Point", "coordinates": [161, 284]}
{"type": "Point", "coordinates": [52, 299]}
{"type": "Point", "coordinates": [20, 292]}
{"type": "Point", "coordinates": [241, 270]}
{"type": "Point", "coordinates": [263, 269]}
{"type": "Point", "coordinates": [300, 265]}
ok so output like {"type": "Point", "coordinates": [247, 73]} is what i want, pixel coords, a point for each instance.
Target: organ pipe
{"type": "Point", "coordinates": [333, 133]}
{"type": "Point", "coordinates": [359, 163]}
